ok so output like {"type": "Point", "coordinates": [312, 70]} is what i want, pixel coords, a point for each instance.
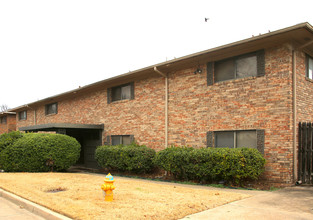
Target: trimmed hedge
{"type": "Point", "coordinates": [134, 158]}
{"type": "Point", "coordinates": [211, 164]}
{"type": "Point", "coordinates": [33, 152]}
{"type": "Point", "coordinates": [8, 139]}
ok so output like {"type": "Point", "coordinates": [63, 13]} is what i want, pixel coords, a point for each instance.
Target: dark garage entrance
{"type": "Point", "coordinates": [89, 136]}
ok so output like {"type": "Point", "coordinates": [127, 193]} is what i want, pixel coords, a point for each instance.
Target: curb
{"type": "Point", "coordinates": [32, 207]}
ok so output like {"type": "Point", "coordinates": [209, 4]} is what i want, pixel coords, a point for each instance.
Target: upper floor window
{"type": "Point", "coordinates": [121, 92]}
{"type": "Point", "coordinates": [52, 109]}
{"type": "Point", "coordinates": [22, 115]}
{"type": "Point", "coordinates": [252, 64]}
{"type": "Point", "coordinates": [3, 120]}
{"type": "Point", "coordinates": [309, 71]}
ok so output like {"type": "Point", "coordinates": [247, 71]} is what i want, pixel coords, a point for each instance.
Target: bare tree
{"type": "Point", "coordinates": [4, 108]}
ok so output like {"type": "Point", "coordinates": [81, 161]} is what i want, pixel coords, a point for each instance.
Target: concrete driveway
{"type": "Point", "coordinates": [289, 203]}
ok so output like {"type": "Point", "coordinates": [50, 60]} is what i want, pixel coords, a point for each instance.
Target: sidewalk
{"type": "Point", "coordinates": [11, 211]}
{"type": "Point", "coordinates": [292, 203]}
{"type": "Point", "coordinates": [13, 207]}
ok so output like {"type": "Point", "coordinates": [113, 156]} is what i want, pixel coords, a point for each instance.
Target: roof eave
{"type": "Point", "coordinates": [163, 65]}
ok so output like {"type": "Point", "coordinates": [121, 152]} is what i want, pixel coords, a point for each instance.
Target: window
{"type": "Point", "coordinates": [309, 73]}
{"type": "Point", "coordinates": [121, 92]}
{"type": "Point", "coordinates": [239, 67]}
{"type": "Point", "coordinates": [252, 64]}
{"type": "Point", "coordinates": [3, 120]}
{"type": "Point", "coordinates": [236, 139]}
{"type": "Point", "coordinates": [22, 115]}
{"type": "Point", "coordinates": [52, 109]}
{"type": "Point", "coordinates": [121, 139]}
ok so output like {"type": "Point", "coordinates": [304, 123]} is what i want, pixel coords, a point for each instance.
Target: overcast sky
{"type": "Point", "coordinates": [50, 47]}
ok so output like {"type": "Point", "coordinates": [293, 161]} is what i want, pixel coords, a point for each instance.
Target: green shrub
{"type": "Point", "coordinates": [8, 139]}
{"type": "Point", "coordinates": [211, 164]}
{"type": "Point", "coordinates": [134, 158]}
{"type": "Point", "coordinates": [33, 151]}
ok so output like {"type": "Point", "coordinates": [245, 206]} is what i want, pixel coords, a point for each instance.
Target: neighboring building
{"type": "Point", "coordinates": [250, 93]}
{"type": "Point", "coordinates": [7, 122]}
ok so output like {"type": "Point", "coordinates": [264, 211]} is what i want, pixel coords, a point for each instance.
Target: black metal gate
{"type": "Point", "coordinates": [305, 153]}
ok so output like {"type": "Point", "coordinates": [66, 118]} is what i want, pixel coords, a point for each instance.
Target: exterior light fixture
{"type": "Point", "coordinates": [198, 70]}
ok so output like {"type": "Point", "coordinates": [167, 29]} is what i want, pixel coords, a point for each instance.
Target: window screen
{"type": "Point", "coordinates": [224, 70]}
{"type": "Point", "coordinates": [52, 108]}
{"type": "Point", "coordinates": [121, 139]}
{"type": "Point", "coordinates": [116, 140]}
{"type": "Point", "coordinates": [246, 139]}
{"type": "Point", "coordinates": [224, 139]}
{"type": "Point", "coordinates": [236, 139]}
{"type": "Point", "coordinates": [237, 67]}
{"type": "Point", "coordinates": [3, 120]}
{"type": "Point", "coordinates": [121, 92]}
{"type": "Point", "coordinates": [126, 139]}
{"type": "Point", "coordinates": [116, 94]}
{"type": "Point", "coordinates": [125, 92]}
{"type": "Point", "coordinates": [246, 67]}
{"type": "Point", "coordinates": [22, 115]}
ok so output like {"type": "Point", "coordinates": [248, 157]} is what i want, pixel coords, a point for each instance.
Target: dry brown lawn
{"type": "Point", "coordinates": [82, 197]}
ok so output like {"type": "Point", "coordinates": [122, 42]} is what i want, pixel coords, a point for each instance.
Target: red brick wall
{"type": "Point", "coordinates": [142, 117]}
{"type": "Point", "coordinates": [250, 103]}
{"type": "Point", "coordinates": [195, 108]}
{"type": "Point", "coordinates": [304, 91]}
{"type": "Point", "coordinates": [9, 126]}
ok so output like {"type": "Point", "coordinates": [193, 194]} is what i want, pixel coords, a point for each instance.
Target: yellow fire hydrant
{"type": "Point", "coordinates": [108, 187]}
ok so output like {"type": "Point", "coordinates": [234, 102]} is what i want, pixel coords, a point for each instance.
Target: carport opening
{"type": "Point", "coordinates": [89, 137]}
{"type": "Point", "coordinates": [89, 141]}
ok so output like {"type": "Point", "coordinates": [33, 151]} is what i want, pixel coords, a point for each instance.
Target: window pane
{"type": "Point", "coordinates": [310, 68]}
{"type": "Point", "coordinates": [116, 93]}
{"type": "Point", "coordinates": [3, 120]}
{"type": "Point", "coordinates": [224, 70]}
{"type": "Point", "coordinates": [51, 108]}
{"type": "Point", "coordinates": [116, 140]}
{"type": "Point", "coordinates": [54, 108]}
{"type": "Point", "coordinates": [224, 139]}
{"type": "Point", "coordinates": [126, 92]}
{"type": "Point", "coordinates": [22, 115]}
{"type": "Point", "coordinates": [246, 67]}
{"type": "Point", "coordinates": [126, 140]}
{"type": "Point", "coordinates": [246, 139]}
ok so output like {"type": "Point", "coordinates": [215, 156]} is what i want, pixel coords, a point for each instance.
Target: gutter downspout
{"type": "Point", "coordinates": [294, 107]}
{"type": "Point", "coordinates": [166, 104]}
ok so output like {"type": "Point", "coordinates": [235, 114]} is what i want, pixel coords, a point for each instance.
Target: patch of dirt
{"type": "Point", "coordinates": [133, 199]}
{"type": "Point", "coordinates": [55, 190]}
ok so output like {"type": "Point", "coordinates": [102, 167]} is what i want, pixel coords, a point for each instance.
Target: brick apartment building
{"type": "Point", "coordinates": [7, 122]}
{"type": "Point", "coordinates": [250, 93]}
